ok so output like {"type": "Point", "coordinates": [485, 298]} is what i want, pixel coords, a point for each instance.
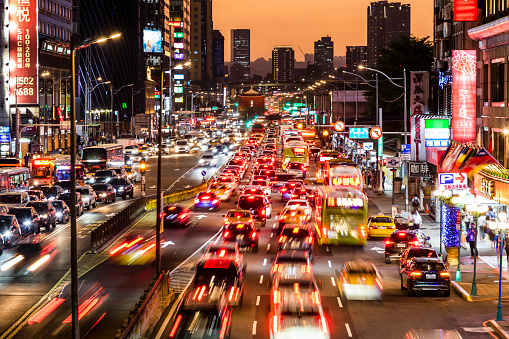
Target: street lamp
{"type": "Point", "coordinates": [500, 227]}
{"type": "Point", "coordinates": [476, 210]}
{"type": "Point", "coordinates": [74, 232]}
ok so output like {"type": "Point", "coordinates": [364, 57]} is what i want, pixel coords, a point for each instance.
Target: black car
{"type": "Point", "coordinates": [47, 214]}
{"type": "Point", "coordinates": [426, 274]}
{"type": "Point", "coordinates": [244, 234]}
{"type": "Point", "coordinates": [38, 193]}
{"type": "Point", "coordinates": [297, 237]}
{"type": "Point", "coordinates": [259, 206]}
{"type": "Point", "coordinates": [416, 252]}
{"type": "Point", "coordinates": [105, 192]}
{"type": "Point", "coordinates": [103, 176]}
{"type": "Point", "coordinates": [27, 218]}
{"type": "Point", "coordinates": [279, 181]}
{"type": "Point", "coordinates": [79, 201]}
{"type": "Point", "coordinates": [399, 241]}
{"type": "Point", "coordinates": [9, 230]}
{"type": "Point", "coordinates": [52, 191]}
{"type": "Point", "coordinates": [62, 211]}
{"type": "Point", "coordinates": [123, 187]}
{"type": "Point", "coordinates": [174, 215]}
{"type": "Point", "coordinates": [64, 184]}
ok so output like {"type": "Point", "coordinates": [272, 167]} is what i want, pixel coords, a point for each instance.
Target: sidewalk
{"type": "Point", "coordinates": [487, 266]}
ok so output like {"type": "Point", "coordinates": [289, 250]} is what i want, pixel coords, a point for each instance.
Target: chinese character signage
{"type": "Point", "coordinates": [358, 133]}
{"type": "Point", "coordinates": [419, 169]}
{"type": "Point", "coordinates": [463, 95]}
{"type": "Point", "coordinates": [437, 132]}
{"type": "Point", "coordinates": [465, 10]}
{"type": "Point", "coordinates": [23, 36]}
{"type": "Point", "coordinates": [419, 92]}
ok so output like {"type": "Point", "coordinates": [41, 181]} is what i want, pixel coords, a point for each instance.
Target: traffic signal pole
{"type": "Point", "coordinates": [143, 170]}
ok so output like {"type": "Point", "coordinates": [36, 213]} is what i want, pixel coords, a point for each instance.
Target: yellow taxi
{"type": "Point", "coordinates": [237, 215]}
{"type": "Point", "coordinates": [381, 226]}
{"type": "Point", "coordinates": [359, 280]}
{"type": "Point", "coordinates": [223, 191]}
{"type": "Point", "coordinates": [292, 216]}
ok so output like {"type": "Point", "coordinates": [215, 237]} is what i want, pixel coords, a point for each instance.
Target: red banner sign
{"type": "Point", "coordinates": [464, 70]}
{"type": "Point", "coordinates": [23, 51]}
{"type": "Point", "coordinates": [465, 10]}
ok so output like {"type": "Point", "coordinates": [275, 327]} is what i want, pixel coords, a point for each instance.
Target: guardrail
{"type": "Point", "coordinates": [109, 228]}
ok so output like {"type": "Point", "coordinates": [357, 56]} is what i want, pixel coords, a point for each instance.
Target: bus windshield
{"type": "Point", "coordinates": [42, 171]}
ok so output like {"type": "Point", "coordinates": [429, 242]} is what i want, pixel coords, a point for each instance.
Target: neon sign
{"type": "Point", "coordinates": [346, 181]}
{"type": "Point", "coordinates": [464, 72]}
{"type": "Point", "coordinates": [465, 10]}
{"type": "Point", "coordinates": [299, 151]}
{"type": "Point", "coordinates": [344, 202]}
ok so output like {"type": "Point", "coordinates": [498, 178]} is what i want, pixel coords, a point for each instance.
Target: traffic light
{"type": "Point", "coordinates": [143, 167]}
{"type": "Point", "coordinates": [300, 125]}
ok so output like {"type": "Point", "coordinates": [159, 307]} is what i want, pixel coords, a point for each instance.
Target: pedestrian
{"type": "Point", "coordinates": [417, 220]}
{"type": "Point", "coordinates": [383, 180]}
{"type": "Point", "coordinates": [416, 203]}
{"type": "Point", "coordinates": [27, 158]}
{"type": "Point", "coordinates": [506, 247]}
{"type": "Point", "coordinates": [471, 235]}
{"type": "Point", "coordinates": [491, 214]}
{"type": "Point", "coordinates": [481, 223]}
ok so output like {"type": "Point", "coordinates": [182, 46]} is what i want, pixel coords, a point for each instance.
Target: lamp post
{"type": "Point", "coordinates": [476, 210]}
{"type": "Point", "coordinates": [74, 46]}
{"type": "Point", "coordinates": [500, 227]}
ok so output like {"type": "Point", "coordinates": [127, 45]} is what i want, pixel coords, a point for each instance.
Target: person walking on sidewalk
{"type": "Point", "coordinates": [417, 220]}
{"type": "Point", "coordinates": [416, 203]}
{"type": "Point", "coordinates": [471, 240]}
{"type": "Point", "coordinates": [481, 226]}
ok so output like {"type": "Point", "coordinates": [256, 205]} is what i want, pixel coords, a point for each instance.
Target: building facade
{"type": "Point", "coordinates": [240, 56]}
{"type": "Point", "coordinates": [180, 15]}
{"type": "Point", "coordinates": [201, 41]}
{"type": "Point", "coordinates": [283, 63]}
{"type": "Point", "coordinates": [387, 21]}
{"type": "Point", "coordinates": [217, 55]}
{"type": "Point", "coordinates": [356, 56]}
{"type": "Point", "coordinates": [324, 56]}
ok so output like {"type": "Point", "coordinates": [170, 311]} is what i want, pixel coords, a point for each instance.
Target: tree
{"type": "Point", "coordinates": [410, 53]}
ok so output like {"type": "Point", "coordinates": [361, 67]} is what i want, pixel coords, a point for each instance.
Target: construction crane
{"type": "Point", "coordinates": [309, 61]}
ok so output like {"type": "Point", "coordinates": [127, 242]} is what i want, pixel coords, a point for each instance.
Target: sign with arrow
{"type": "Point", "coordinates": [453, 181]}
{"type": "Point", "coordinates": [378, 250]}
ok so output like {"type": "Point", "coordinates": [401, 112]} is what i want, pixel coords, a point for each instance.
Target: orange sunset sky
{"type": "Point", "coordinates": [301, 22]}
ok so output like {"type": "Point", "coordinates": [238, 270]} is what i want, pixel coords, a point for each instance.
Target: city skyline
{"type": "Point", "coordinates": [270, 28]}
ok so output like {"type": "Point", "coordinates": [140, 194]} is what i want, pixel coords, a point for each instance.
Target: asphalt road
{"type": "Point", "coordinates": [22, 286]}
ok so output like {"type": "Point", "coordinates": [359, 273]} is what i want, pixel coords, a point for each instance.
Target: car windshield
{"type": "Point", "coordinates": [202, 324]}
{"type": "Point", "coordinates": [49, 190]}
{"type": "Point", "coordinates": [57, 203]}
{"type": "Point", "coordinates": [65, 196]}
{"type": "Point", "coordinates": [10, 198]}
{"type": "Point", "coordinates": [295, 166]}
{"type": "Point", "coordinates": [39, 206]}
{"type": "Point", "coordinates": [182, 143]}
{"type": "Point", "coordinates": [422, 252]}
{"type": "Point", "coordinates": [83, 190]}
{"type": "Point", "coordinates": [100, 187]}
{"type": "Point", "coordinates": [381, 219]}
{"type": "Point", "coordinates": [260, 183]}
{"type": "Point", "coordinates": [21, 214]}
{"type": "Point", "coordinates": [217, 186]}
{"type": "Point", "coordinates": [64, 184]}
{"type": "Point", "coordinates": [217, 276]}
{"type": "Point", "coordinates": [103, 173]}
{"type": "Point", "coordinates": [238, 214]}
{"type": "Point", "coordinates": [425, 266]}
{"type": "Point", "coordinates": [207, 156]}
{"type": "Point", "coordinates": [400, 237]}
{"type": "Point", "coordinates": [117, 182]}
{"type": "Point", "coordinates": [295, 232]}
{"type": "Point", "coordinates": [284, 177]}
{"type": "Point", "coordinates": [249, 202]}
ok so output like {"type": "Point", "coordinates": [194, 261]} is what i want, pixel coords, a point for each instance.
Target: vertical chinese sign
{"type": "Point", "coordinates": [465, 10]}
{"type": "Point", "coordinates": [419, 92]}
{"type": "Point", "coordinates": [464, 70]}
{"type": "Point", "coordinates": [23, 51]}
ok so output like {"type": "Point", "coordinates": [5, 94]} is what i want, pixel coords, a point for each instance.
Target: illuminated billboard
{"type": "Point", "coordinates": [465, 10]}
{"type": "Point", "coordinates": [23, 51]}
{"type": "Point", "coordinates": [464, 70]}
{"type": "Point", "coordinates": [152, 41]}
{"type": "Point", "coordinates": [178, 56]}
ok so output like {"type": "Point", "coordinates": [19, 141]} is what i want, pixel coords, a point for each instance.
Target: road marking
{"type": "Point", "coordinates": [378, 249]}
{"type": "Point", "coordinates": [261, 279]}
{"type": "Point", "coordinates": [330, 264]}
{"type": "Point", "coordinates": [254, 327]}
{"type": "Point", "coordinates": [258, 300]}
{"type": "Point", "coordinates": [333, 281]}
{"type": "Point", "coordinates": [265, 262]}
{"type": "Point", "coordinates": [166, 243]}
{"type": "Point", "coordinates": [201, 216]}
{"type": "Point", "coordinates": [348, 330]}
{"type": "Point", "coordinates": [339, 302]}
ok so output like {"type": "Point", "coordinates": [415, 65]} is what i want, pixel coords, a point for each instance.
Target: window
{"type": "Point", "coordinates": [497, 82]}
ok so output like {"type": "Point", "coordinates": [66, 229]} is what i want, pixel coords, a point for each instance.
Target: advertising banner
{"type": "Point", "coordinates": [23, 51]}
{"type": "Point", "coordinates": [152, 41]}
{"type": "Point", "coordinates": [419, 93]}
{"type": "Point", "coordinates": [418, 152]}
{"type": "Point", "coordinates": [464, 70]}
{"type": "Point", "coordinates": [465, 10]}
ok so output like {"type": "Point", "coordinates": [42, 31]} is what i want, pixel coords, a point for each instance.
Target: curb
{"type": "Point", "coordinates": [498, 329]}
{"type": "Point", "coordinates": [461, 291]}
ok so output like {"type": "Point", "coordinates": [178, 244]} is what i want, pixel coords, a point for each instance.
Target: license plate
{"type": "Point", "coordinates": [295, 245]}
{"type": "Point", "coordinates": [431, 276]}
{"type": "Point", "coordinates": [332, 235]}
{"type": "Point", "coordinates": [400, 245]}
{"type": "Point", "coordinates": [382, 227]}
{"type": "Point", "coordinates": [240, 237]}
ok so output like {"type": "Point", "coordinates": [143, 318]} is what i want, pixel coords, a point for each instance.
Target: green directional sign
{"type": "Point", "coordinates": [178, 35]}
{"type": "Point", "coordinates": [124, 105]}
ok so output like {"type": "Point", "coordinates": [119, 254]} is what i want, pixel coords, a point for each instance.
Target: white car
{"type": "Point", "coordinates": [208, 159]}
{"type": "Point", "coordinates": [300, 204]}
{"type": "Point", "coordinates": [182, 146]}
{"type": "Point", "coordinates": [264, 184]}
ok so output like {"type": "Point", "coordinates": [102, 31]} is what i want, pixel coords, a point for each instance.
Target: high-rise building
{"type": "Point", "coordinates": [283, 63]}
{"type": "Point", "coordinates": [218, 55]}
{"type": "Point", "coordinates": [356, 56]}
{"type": "Point", "coordinates": [180, 14]}
{"type": "Point", "coordinates": [387, 21]}
{"type": "Point", "coordinates": [201, 40]}
{"type": "Point", "coordinates": [240, 54]}
{"type": "Point", "coordinates": [324, 56]}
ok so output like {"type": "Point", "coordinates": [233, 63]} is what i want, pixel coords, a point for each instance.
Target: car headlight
{"type": "Point", "coordinates": [201, 161]}
{"type": "Point", "coordinates": [7, 234]}
{"type": "Point", "coordinates": [27, 223]}
{"type": "Point", "coordinates": [43, 215]}
{"type": "Point", "coordinates": [92, 180]}
{"type": "Point", "coordinates": [36, 183]}
{"type": "Point", "coordinates": [108, 179]}
{"type": "Point", "coordinates": [102, 194]}
{"type": "Point", "coordinates": [59, 214]}
{"type": "Point", "coordinates": [87, 199]}
{"type": "Point", "coordinates": [120, 189]}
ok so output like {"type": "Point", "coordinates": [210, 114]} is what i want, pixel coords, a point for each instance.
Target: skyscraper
{"type": "Point", "coordinates": [283, 63]}
{"type": "Point", "coordinates": [387, 21]}
{"type": "Point", "coordinates": [355, 56]}
{"type": "Point", "coordinates": [240, 54]}
{"type": "Point", "coordinates": [324, 56]}
{"type": "Point", "coordinates": [218, 55]}
{"type": "Point", "coordinates": [201, 40]}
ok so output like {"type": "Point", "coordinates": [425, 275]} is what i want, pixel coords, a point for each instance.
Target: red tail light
{"type": "Point", "coordinates": [415, 274]}
{"type": "Point", "coordinates": [253, 235]}
{"type": "Point", "coordinates": [413, 243]}
{"type": "Point", "coordinates": [309, 240]}
{"type": "Point", "coordinates": [226, 234]}
{"type": "Point", "coordinates": [305, 269]}
{"type": "Point", "coordinates": [389, 242]}
{"type": "Point", "coordinates": [215, 201]}
{"type": "Point", "coordinates": [277, 268]}
{"type": "Point", "coordinates": [263, 212]}
{"type": "Point", "coordinates": [175, 326]}
{"type": "Point", "coordinates": [196, 201]}
{"type": "Point", "coordinates": [282, 238]}
{"type": "Point", "coordinates": [234, 294]}
{"type": "Point", "coordinates": [275, 324]}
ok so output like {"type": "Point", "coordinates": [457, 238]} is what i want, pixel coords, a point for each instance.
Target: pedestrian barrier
{"type": "Point", "coordinates": [143, 317]}
{"type": "Point", "coordinates": [109, 228]}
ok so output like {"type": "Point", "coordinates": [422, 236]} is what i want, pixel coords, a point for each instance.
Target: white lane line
{"type": "Point", "coordinates": [265, 262]}
{"type": "Point", "coordinates": [333, 281]}
{"type": "Point", "coordinates": [254, 327]}
{"type": "Point", "coordinates": [348, 330]}
{"type": "Point", "coordinates": [258, 300]}
{"type": "Point", "coordinates": [339, 302]}
{"type": "Point", "coordinates": [261, 279]}
{"type": "Point", "coordinates": [330, 264]}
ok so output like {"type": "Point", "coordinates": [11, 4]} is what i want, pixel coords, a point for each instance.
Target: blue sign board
{"type": "Point", "coordinates": [203, 173]}
{"type": "Point", "coordinates": [437, 143]}
{"type": "Point", "coordinates": [5, 134]}
{"type": "Point", "coordinates": [405, 149]}
{"type": "Point", "coordinates": [358, 133]}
